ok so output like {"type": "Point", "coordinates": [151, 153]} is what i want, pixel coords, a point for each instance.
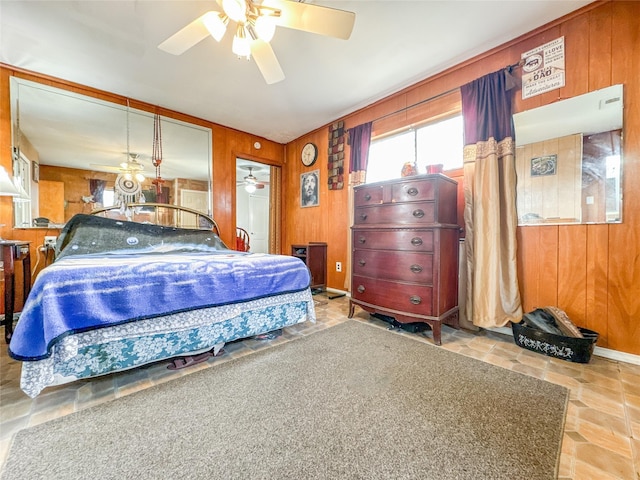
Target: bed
{"type": "Point", "coordinates": [134, 286]}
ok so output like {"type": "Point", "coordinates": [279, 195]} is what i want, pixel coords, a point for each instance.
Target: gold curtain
{"type": "Point", "coordinates": [493, 296]}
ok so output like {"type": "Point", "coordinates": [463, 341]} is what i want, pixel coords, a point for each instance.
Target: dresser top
{"type": "Point", "coordinates": [438, 177]}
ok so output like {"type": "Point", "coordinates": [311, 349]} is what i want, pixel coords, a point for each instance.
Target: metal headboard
{"type": "Point", "coordinates": [161, 214]}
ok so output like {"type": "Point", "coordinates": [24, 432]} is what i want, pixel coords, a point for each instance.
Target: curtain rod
{"type": "Point", "coordinates": [404, 109]}
{"type": "Point", "coordinates": [508, 68]}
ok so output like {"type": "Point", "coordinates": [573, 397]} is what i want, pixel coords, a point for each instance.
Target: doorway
{"type": "Point", "coordinates": [253, 204]}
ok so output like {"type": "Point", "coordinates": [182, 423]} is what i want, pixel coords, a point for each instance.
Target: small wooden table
{"type": "Point", "coordinates": [13, 250]}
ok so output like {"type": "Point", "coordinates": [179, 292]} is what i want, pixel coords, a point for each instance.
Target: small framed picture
{"type": "Point", "coordinates": [309, 184]}
{"type": "Point", "coordinates": [542, 166]}
{"type": "Point", "coordinates": [35, 175]}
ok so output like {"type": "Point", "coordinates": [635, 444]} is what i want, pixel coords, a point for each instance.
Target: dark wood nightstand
{"type": "Point", "coordinates": [12, 251]}
{"type": "Point", "coordinates": [314, 254]}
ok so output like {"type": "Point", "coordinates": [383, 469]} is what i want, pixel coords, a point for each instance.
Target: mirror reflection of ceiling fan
{"type": "Point", "coordinates": [131, 167]}
{"type": "Point", "coordinates": [255, 24]}
{"type": "Point", "coordinates": [250, 182]}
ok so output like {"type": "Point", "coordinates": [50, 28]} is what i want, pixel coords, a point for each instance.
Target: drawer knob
{"type": "Point", "coordinates": [415, 241]}
{"type": "Point", "coordinates": [416, 268]}
{"type": "Point", "coordinates": [418, 213]}
{"type": "Point", "coordinates": [363, 216]}
{"type": "Point", "coordinates": [415, 299]}
{"type": "Point", "coordinates": [367, 197]}
{"type": "Point", "coordinates": [413, 191]}
{"type": "Point", "coordinates": [362, 263]}
{"type": "Point", "coordinates": [362, 240]}
{"type": "Point", "coordinates": [361, 288]}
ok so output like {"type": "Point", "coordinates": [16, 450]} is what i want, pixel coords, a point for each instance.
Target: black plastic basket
{"type": "Point", "coordinates": [578, 350]}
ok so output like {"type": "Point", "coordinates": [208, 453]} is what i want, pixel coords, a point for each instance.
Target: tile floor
{"type": "Point", "coordinates": [602, 430]}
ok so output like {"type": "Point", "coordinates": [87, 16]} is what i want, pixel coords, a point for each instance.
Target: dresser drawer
{"type": "Point", "coordinates": [413, 190]}
{"type": "Point", "coordinates": [396, 213]}
{"type": "Point", "coordinates": [401, 296]}
{"type": "Point", "coordinates": [406, 240]}
{"type": "Point", "coordinates": [368, 196]}
{"type": "Point", "coordinates": [414, 267]}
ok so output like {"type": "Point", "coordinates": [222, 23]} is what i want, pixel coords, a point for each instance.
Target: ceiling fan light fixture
{"type": "Point", "coordinates": [139, 177]}
{"type": "Point", "coordinates": [250, 188]}
{"type": "Point", "coordinates": [265, 27]}
{"type": "Point", "coordinates": [216, 23]}
{"type": "Point", "coordinates": [236, 10]}
{"type": "Point", "coordinates": [241, 45]}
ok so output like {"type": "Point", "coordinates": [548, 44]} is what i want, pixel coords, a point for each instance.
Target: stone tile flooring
{"type": "Point", "coordinates": [602, 430]}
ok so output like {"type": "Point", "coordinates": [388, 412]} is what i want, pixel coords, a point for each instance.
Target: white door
{"type": "Point", "coordinates": [196, 200]}
{"type": "Point", "coordinates": [259, 223]}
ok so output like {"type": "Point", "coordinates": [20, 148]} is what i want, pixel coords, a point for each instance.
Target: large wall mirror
{"type": "Point", "coordinates": [72, 152]}
{"type": "Point", "coordinates": [569, 160]}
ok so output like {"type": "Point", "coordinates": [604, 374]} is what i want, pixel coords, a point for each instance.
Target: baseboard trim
{"type": "Point", "coordinates": [340, 292]}
{"type": "Point", "coordinates": [600, 351]}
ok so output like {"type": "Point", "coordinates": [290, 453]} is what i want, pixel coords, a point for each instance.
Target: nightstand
{"type": "Point", "coordinates": [12, 251]}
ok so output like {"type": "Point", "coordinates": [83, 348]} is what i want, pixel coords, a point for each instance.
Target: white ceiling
{"type": "Point", "coordinates": [112, 46]}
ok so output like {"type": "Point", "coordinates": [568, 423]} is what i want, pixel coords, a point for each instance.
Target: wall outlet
{"type": "Point", "coordinates": [50, 241]}
{"type": "Point", "coordinates": [338, 266]}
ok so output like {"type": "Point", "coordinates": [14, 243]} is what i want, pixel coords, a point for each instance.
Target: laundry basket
{"type": "Point", "coordinates": [578, 350]}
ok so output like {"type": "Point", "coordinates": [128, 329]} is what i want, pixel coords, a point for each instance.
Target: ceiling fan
{"type": "Point", "coordinates": [255, 26]}
{"type": "Point", "coordinates": [131, 167]}
{"type": "Point", "coordinates": [250, 182]}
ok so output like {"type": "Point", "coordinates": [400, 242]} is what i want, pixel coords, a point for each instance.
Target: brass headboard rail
{"type": "Point", "coordinates": [161, 214]}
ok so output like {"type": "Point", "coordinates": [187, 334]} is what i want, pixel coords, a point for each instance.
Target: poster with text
{"type": "Point", "coordinates": [543, 68]}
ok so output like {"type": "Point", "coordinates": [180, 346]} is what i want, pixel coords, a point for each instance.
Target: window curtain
{"type": "Point", "coordinates": [359, 139]}
{"type": "Point", "coordinates": [492, 291]}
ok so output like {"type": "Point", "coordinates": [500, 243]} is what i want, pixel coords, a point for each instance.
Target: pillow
{"type": "Point", "coordinates": [90, 234]}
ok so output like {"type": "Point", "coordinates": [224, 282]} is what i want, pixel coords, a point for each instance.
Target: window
{"type": "Point", "coordinates": [22, 175]}
{"type": "Point", "coordinates": [438, 142]}
{"type": "Point", "coordinates": [108, 198]}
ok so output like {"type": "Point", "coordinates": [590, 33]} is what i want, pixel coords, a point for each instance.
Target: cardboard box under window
{"type": "Point", "coordinates": [572, 349]}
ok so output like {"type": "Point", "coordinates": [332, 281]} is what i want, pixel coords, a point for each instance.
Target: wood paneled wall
{"type": "Point", "coordinates": [590, 271]}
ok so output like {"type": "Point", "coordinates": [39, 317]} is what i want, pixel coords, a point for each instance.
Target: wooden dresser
{"type": "Point", "coordinates": [405, 250]}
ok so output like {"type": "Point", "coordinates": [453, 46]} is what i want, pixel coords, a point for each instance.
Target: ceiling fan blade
{"type": "Point", "coordinates": [267, 62]}
{"type": "Point", "coordinates": [185, 38]}
{"type": "Point", "coordinates": [109, 168]}
{"type": "Point", "coordinates": [314, 18]}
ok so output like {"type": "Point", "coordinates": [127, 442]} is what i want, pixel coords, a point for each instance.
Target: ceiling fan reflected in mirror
{"type": "Point", "coordinates": [250, 182]}
{"type": "Point", "coordinates": [130, 168]}
{"type": "Point", "coordinates": [255, 25]}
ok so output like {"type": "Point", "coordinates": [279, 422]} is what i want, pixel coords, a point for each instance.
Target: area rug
{"type": "Point", "coordinates": [353, 401]}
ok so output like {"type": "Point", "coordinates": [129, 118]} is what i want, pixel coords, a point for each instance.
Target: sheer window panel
{"type": "Point", "coordinates": [387, 156]}
{"type": "Point", "coordinates": [433, 143]}
{"type": "Point", "coordinates": [440, 142]}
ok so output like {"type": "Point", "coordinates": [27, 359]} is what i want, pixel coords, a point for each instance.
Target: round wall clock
{"type": "Point", "coordinates": [309, 154]}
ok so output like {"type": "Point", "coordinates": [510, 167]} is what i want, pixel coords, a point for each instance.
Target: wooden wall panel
{"type": "Point", "coordinates": [624, 239]}
{"type": "Point", "coordinates": [597, 281]}
{"type": "Point", "coordinates": [600, 24]}
{"type": "Point", "coordinates": [572, 271]}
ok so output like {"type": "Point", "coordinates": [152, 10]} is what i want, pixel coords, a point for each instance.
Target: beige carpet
{"type": "Point", "coordinates": [350, 402]}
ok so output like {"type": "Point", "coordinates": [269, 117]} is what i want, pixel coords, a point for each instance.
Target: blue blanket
{"type": "Point", "coordinates": [86, 292]}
